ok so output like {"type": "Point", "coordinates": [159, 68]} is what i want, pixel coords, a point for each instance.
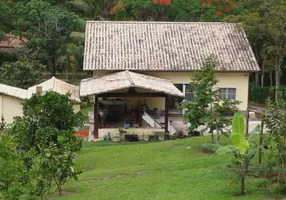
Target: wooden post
{"type": "Point", "coordinates": [260, 142]}
{"type": "Point", "coordinates": [166, 114]}
{"type": "Point", "coordinates": [247, 122]}
{"type": "Point", "coordinates": [95, 112]}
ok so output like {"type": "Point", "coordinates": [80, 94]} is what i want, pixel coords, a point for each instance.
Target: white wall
{"type": "Point", "coordinates": [10, 107]}
{"type": "Point", "coordinates": [239, 80]}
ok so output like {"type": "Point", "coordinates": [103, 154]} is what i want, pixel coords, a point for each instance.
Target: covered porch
{"type": "Point", "coordinates": [121, 102]}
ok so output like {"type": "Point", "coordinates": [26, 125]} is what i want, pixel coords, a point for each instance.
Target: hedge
{"type": "Point", "coordinates": [260, 94]}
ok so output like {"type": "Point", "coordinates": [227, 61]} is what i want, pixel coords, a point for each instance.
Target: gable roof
{"type": "Point", "coordinates": [166, 46]}
{"type": "Point", "coordinates": [58, 86]}
{"type": "Point", "coordinates": [14, 92]}
{"type": "Point", "coordinates": [125, 80]}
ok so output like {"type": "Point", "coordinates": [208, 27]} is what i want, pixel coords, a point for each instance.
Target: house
{"type": "Point", "coordinates": [169, 51]}
{"type": "Point", "coordinates": [11, 42]}
{"type": "Point", "coordinates": [61, 87]}
{"type": "Point", "coordinates": [11, 98]}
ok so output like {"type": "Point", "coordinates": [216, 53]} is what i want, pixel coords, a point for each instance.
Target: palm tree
{"type": "Point", "coordinates": [93, 9]}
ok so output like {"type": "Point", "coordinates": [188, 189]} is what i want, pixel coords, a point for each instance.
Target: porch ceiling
{"type": "Point", "coordinates": [124, 80]}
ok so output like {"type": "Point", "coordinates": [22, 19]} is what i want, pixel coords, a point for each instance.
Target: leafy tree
{"type": "Point", "coordinates": [23, 74]}
{"type": "Point", "coordinates": [6, 18]}
{"type": "Point", "coordinates": [264, 22]}
{"type": "Point", "coordinates": [72, 55]}
{"type": "Point", "coordinates": [217, 115]}
{"type": "Point", "coordinates": [208, 107]}
{"type": "Point", "coordinates": [202, 85]}
{"type": "Point", "coordinates": [14, 179]}
{"type": "Point", "coordinates": [46, 27]}
{"type": "Point", "coordinates": [242, 150]}
{"type": "Point", "coordinates": [57, 160]}
{"type": "Point", "coordinates": [276, 124]}
{"type": "Point", "coordinates": [47, 129]}
{"type": "Point", "coordinates": [49, 110]}
{"type": "Point", "coordinates": [93, 9]}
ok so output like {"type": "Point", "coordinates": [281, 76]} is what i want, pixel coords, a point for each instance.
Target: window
{"type": "Point", "coordinates": [189, 95]}
{"type": "Point", "coordinates": [175, 102]}
{"type": "Point", "coordinates": [227, 93]}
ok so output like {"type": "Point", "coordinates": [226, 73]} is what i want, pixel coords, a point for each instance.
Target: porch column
{"type": "Point", "coordinates": [166, 114]}
{"type": "Point", "coordinates": [95, 117]}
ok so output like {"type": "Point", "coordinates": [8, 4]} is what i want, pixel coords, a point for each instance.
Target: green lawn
{"type": "Point", "coordinates": [170, 170]}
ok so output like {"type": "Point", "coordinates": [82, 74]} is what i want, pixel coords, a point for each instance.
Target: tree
{"type": "Point", "coordinates": [93, 9]}
{"type": "Point", "coordinates": [14, 179]}
{"type": "Point", "coordinates": [216, 117]}
{"type": "Point", "coordinates": [242, 150]}
{"type": "Point", "coordinates": [23, 74]}
{"type": "Point", "coordinates": [6, 18]}
{"type": "Point", "coordinates": [264, 22]}
{"type": "Point", "coordinates": [208, 107]}
{"type": "Point", "coordinates": [202, 85]}
{"type": "Point", "coordinates": [157, 10]}
{"type": "Point", "coordinates": [49, 110]}
{"type": "Point", "coordinates": [275, 121]}
{"type": "Point", "coordinates": [47, 129]}
{"type": "Point", "coordinates": [57, 160]}
{"type": "Point", "coordinates": [47, 28]}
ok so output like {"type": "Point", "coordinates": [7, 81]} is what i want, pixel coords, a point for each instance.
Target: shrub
{"type": "Point", "coordinates": [259, 94]}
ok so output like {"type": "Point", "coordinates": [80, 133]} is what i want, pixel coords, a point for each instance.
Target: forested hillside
{"type": "Point", "coordinates": [52, 31]}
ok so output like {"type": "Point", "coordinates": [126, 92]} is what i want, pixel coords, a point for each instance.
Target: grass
{"type": "Point", "coordinates": [156, 171]}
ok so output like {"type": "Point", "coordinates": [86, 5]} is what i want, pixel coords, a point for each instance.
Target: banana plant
{"type": "Point", "coordinates": [242, 149]}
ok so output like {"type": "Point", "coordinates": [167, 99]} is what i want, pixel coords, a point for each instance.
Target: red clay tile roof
{"type": "Point", "coordinates": [12, 41]}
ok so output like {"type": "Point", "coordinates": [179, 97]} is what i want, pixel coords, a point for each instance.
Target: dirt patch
{"type": "Point", "coordinates": [124, 175]}
{"type": "Point", "coordinates": [85, 169]}
{"type": "Point", "coordinates": [206, 151]}
{"type": "Point", "coordinates": [64, 193]}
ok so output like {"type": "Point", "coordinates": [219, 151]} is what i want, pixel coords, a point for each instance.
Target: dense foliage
{"type": "Point", "coordinates": [242, 150]}
{"type": "Point", "coordinates": [51, 112]}
{"type": "Point", "coordinates": [49, 26]}
{"type": "Point", "coordinates": [37, 152]}
{"type": "Point", "coordinates": [275, 140]}
{"type": "Point", "coordinates": [23, 74]}
{"type": "Point", "coordinates": [208, 107]}
{"type": "Point", "coordinates": [260, 94]}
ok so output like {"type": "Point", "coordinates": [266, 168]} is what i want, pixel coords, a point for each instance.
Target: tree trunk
{"type": "Point", "coordinates": [67, 70]}
{"type": "Point", "coordinates": [60, 190]}
{"type": "Point", "coordinates": [242, 186]}
{"type": "Point", "coordinates": [277, 83]}
{"type": "Point", "coordinates": [212, 137]}
{"type": "Point", "coordinates": [50, 64]}
{"type": "Point", "coordinates": [262, 76]}
{"type": "Point", "coordinates": [260, 143]}
{"type": "Point", "coordinates": [217, 135]}
{"type": "Point", "coordinates": [280, 174]}
{"type": "Point", "coordinates": [257, 79]}
{"type": "Point", "coordinates": [271, 78]}
{"type": "Point", "coordinates": [54, 67]}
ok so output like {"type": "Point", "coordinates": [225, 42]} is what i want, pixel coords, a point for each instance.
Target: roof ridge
{"type": "Point", "coordinates": [156, 22]}
{"type": "Point", "coordinates": [129, 78]}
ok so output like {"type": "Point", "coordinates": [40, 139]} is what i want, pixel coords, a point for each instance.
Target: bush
{"type": "Point", "coordinates": [259, 94]}
{"type": "Point", "coordinates": [47, 130]}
